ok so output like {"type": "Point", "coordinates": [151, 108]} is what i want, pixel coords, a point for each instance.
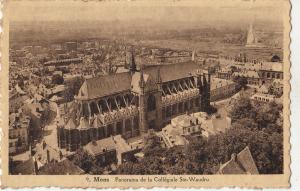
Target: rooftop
{"type": "Point", "coordinates": [217, 83]}
{"type": "Point", "coordinates": [242, 163]}
{"type": "Point", "coordinates": [117, 143]}
{"type": "Point", "coordinates": [105, 85]}
{"type": "Point", "coordinates": [64, 167]}
{"type": "Point", "coordinates": [25, 167]}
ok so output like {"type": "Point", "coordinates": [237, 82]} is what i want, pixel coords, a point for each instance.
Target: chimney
{"type": "Point", "coordinates": [233, 157]}
{"type": "Point", "coordinates": [44, 145]}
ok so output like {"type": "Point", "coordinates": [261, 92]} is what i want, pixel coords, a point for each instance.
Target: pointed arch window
{"type": "Point", "coordinates": [151, 102]}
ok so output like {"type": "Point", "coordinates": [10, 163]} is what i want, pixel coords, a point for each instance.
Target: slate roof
{"type": "Point", "coordinates": [105, 85]}
{"type": "Point", "coordinates": [242, 163]}
{"type": "Point", "coordinates": [60, 168]}
{"type": "Point", "coordinates": [25, 168]}
{"type": "Point", "coordinates": [96, 148]}
{"type": "Point", "coordinates": [116, 143]}
{"type": "Point", "coordinates": [170, 72]}
{"type": "Point", "coordinates": [102, 86]}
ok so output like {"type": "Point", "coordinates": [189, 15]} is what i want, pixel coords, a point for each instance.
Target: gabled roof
{"type": "Point", "coordinates": [136, 77]}
{"type": "Point", "coordinates": [96, 148]}
{"type": "Point", "coordinates": [104, 85]}
{"type": "Point", "coordinates": [25, 168]}
{"type": "Point", "coordinates": [264, 88]}
{"type": "Point", "coordinates": [242, 163]}
{"type": "Point", "coordinates": [60, 168]}
{"type": "Point", "coordinates": [170, 72]}
{"type": "Point", "coordinates": [71, 125]}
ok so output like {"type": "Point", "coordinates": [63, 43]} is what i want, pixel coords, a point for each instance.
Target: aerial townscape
{"type": "Point", "coordinates": [206, 99]}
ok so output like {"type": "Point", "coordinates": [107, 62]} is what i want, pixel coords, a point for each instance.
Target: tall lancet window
{"type": "Point", "coordinates": [151, 103]}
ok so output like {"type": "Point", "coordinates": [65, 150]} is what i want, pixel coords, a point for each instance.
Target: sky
{"type": "Point", "coordinates": [156, 10]}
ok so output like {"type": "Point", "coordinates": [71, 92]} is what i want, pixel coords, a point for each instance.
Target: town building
{"type": "Point", "coordinates": [19, 125]}
{"type": "Point", "coordinates": [277, 87]}
{"type": "Point", "coordinates": [110, 150]}
{"type": "Point", "coordinates": [63, 62]}
{"type": "Point", "coordinates": [252, 77]}
{"type": "Point", "coordinates": [71, 46]}
{"type": "Point", "coordinates": [64, 167]}
{"type": "Point", "coordinates": [216, 124]}
{"type": "Point", "coordinates": [183, 127]}
{"type": "Point", "coordinates": [263, 89]}
{"type": "Point", "coordinates": [133, 102]}
{"type": "Point", "coordinates": [225, 73]}
{"type": "Point", "coordinates": [180, 129]}
{"type": "Point", "coordinates": [221, 89]}
{"type": "Point", "coordinates": [35, 110]}
{"type": "Point", "coordinates": [46, 154]}
{"type": "Point", "coordinates": [269, 71]}
{"type": "Point", "coordinates": [263, 97]}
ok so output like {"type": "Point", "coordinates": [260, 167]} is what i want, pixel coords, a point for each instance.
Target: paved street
{"type": "Point", "coordinates": [50, 132]}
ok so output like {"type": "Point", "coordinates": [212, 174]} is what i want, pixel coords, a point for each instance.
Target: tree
{"type": "Point", "coordinates": [266, 117]}
{"type": "Point", "coordinates": [85, 161]}
{"type": "Point", "coordinates": [152, 145]}
{"type": "Point", "coordinates": [195, 155]}
{"type": "Point", "coordinates": [233, 68]}
{"type": "Point", "coordinates": [275, 91]}
{"type": "Point", "coordinates": [266, 149]}
{"type": "Point", "coordinates": [275, 58]}
{"type": "Point", "coordinates": [242, 109]}
{"type": "Point", "coordinates": [174, 160]}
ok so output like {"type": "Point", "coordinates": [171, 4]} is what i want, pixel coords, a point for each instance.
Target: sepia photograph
{"type": "Point", "coordinates": [114, 88]}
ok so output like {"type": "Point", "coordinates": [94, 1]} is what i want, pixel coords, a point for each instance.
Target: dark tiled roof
{"type": "Point", "coordinates": [111, 84]}
{"type": "Point", "coordinates": [246, 160]}
{"type": "Point", "coordinates": [25, 168]}
{"type": "Point", "coordinates": [170, 72]}
{"type": "Point", "coordinates": [241, 163]}
{"type": "Point", "coordinates": [105, 85]}
{"type": "Point", "coordinates": [60, 168]}
{"type": "Point", "coordinates": [97, 147]}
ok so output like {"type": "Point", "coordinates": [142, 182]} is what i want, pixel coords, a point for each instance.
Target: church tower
{"type": "Point", "coordinates": [205, 92]}
{"type": "Point", "coordinates": [132, 66]}
{"type": "Point", "coordinates": [142, 104]}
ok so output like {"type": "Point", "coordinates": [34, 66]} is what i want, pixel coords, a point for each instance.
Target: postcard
{"type": "Point", "coordinates": [142, 94]}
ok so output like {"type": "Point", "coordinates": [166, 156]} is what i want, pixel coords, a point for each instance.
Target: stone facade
{"type": "Point", "coordinates": [131, 103]}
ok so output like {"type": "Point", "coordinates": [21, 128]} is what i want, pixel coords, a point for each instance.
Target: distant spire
{"type": "Point", "coordinates": [132, 64]}
{"type": "Point", "coordinates": [125, 61]}
{"type": "Point", "coordinates": [158, 76]}
{"type": "Point", "coordinates": [142, 81]}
